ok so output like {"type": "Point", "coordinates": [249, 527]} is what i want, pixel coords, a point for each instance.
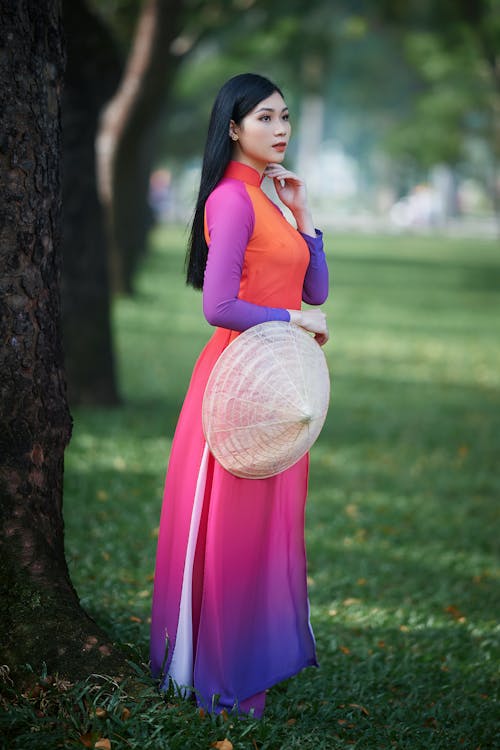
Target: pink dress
{"type": "Point", "coordinates": [230, 611]}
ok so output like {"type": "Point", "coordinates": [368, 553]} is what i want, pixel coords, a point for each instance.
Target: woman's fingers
{"type": "Point", "coordinates": [313, 321]}
{"type": "Point", "coordinates": [321, 338]}
{"type": "Point", "coordinates": [277, 172]}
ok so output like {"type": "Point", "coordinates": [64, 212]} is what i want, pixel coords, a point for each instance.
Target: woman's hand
{"type": "Point", "coordinates": [313, 321]}
{"type": "Point", "coordinates": [291, 190]}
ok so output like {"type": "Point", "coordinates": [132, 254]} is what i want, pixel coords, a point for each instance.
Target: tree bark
{"type": "Point", "coordinates": [92, 75]}
{"type": "Point", "coordinates": [42, 621]}
{"type": "Point", "coordinates": [127, 137]}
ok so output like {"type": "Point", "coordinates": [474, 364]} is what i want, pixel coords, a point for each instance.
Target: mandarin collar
{"type": "Point", "coordinates": [238, 171]}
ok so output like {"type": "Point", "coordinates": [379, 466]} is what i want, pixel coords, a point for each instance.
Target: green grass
{"type": "Point", "coordinates": [403, 515]}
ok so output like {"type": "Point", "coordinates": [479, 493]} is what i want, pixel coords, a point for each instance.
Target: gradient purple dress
{"type": "Point", "coordinates": [230, 613]}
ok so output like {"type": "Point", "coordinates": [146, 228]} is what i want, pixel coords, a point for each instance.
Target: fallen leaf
{"type": "Point", "coordinates": [87, 739]}
{"type": "Point", "coordinates": [223, 745]}
{"type": "Point", "coordinates": [34, 692]}
{"type": "Point", "coordinates": [133, 618]}
{"type": "Point", "coordinates": [455, 613]}
{"type": "Point", "coordinates": [125, 714]}
{"type": "Point", "coordinates": [361, 708]}
{"type": "Point", "coordinates": [345, 650]}
{"type": "Point", "coordinates": [101, 712]}
{"type": "Point", "coordinates": [103, 744]}
{"type": "Point", "coordinates": [351, 600]}
{"type": "Point", "coordinates": [361, 581]}
{"type": "Point", "coordinates": [291, 721]}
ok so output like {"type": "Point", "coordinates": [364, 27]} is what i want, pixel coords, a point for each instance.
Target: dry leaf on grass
{"type": "Point", "coordinates": [455, 613]}
{"type": "Point", "coordinates": [361, 708]}
{"type": "Point", "coordinates": [103, 744]}
{"type": "Point", "coordinates": [224, 744]}
{"type": "Point", "coordinates": [87, 739]}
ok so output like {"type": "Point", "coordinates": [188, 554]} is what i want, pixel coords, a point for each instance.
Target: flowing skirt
{"type": "Point", "coordinates": [230, 611]}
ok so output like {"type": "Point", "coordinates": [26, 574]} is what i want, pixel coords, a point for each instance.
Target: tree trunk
{"type": "Point", "coordinates": [128, 135]}
{"type": "Point", "coordinates": [92, 75]}
{"type": "Point", "coordinates": [42, 620]}
{"type": "Point", "coordinates": [311, 123]}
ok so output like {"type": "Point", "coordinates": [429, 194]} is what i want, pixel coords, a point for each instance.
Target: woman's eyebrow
{"type": "Point", "coordinates": [271, 109]}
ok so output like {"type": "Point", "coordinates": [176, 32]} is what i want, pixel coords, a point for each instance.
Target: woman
{"type": "Point", "coordinates": [230, 609]}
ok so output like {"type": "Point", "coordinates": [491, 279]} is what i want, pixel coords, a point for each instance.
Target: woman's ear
{"type": "Point", "coordinates": [233, 130]}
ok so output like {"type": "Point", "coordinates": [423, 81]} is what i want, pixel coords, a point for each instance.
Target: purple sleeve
{"type": "Point", "coordinates": [315, 289]}
{"type": "Point", "coordinates": [230, 221]}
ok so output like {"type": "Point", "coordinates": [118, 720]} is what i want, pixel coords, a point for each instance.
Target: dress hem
{"type": "Point", "coordinates": [313, 662]}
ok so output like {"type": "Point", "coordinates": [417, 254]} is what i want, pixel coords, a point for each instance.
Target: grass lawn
{"type": "Point", "coordinates": [403, 510]}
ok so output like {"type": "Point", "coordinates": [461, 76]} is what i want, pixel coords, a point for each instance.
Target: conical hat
{"type": "Point", "coordinates": [266, 400]}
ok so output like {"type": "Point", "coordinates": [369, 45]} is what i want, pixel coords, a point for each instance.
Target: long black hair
{"type": "Point", "coordinates": [234, 101]}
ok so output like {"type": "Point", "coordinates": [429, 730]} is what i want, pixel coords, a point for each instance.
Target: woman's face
{"type": "Point", "coordinates": [262, 136]}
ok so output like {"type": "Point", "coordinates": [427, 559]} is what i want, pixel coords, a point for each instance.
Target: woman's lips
{"type": "Point", "coordinates": [279, 146]}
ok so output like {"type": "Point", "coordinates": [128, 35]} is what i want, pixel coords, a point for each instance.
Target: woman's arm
{"type": "Point", "coordinates": [230, 222]}
{"type": "Point", "coordinates": [316, 281]}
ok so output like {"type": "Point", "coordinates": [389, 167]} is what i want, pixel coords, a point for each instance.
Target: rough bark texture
{"type": "Point", "coordinates": [92, 75]}
{"type": "Point", "coordinates": [128, 134]}
{"type": "Point", "coordinates": [42, 622]}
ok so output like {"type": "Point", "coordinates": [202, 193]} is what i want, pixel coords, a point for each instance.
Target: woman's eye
{"type": "Point", "coordinates": [286, 117]}
{"type": "Point", "coordinates": [265, 118]}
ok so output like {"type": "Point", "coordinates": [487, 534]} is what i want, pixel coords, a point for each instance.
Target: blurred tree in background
{"type": "Point", "coordinates": [454, 48]}
{"type": "Point", "coordinates": [92, 74]}
{"type": "Point", "coordinates": [128, 134]}
{"type": "Point", "coordinates": [402, 86]}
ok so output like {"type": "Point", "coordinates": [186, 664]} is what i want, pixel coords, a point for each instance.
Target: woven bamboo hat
{"type": "Point", "coordinates": [266, 400]}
